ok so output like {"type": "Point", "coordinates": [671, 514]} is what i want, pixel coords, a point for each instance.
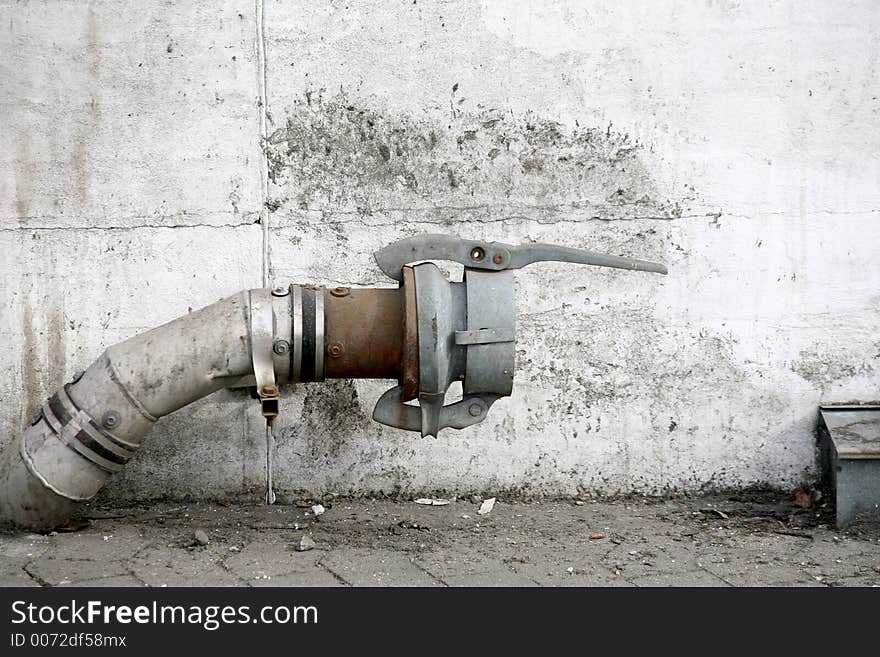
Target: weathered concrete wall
{"type": "Point", "coordinates": [739, 144]}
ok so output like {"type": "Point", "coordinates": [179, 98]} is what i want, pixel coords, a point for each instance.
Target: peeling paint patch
{"type": "Point", "coordinates": [823, 366]}
{"type": "Point", "coordinates": [332, 413]}
{"type": "Point", "coordinates": [341, 154]}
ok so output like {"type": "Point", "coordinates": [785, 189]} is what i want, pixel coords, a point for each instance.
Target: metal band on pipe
{"type": "Point", "coordinates": [66, 413]}
{"type": "Point", "coordinates": [319, 335]}
{"type": "Point", "coordinates": [92, 427]}
{"type": "Point", "coordinates": [307, 370]}
{"type": "Point", "coordinates": [297, 351]}
{"type": "Point", "coordinates": [262, 334]}
{"type": "Point", "coordinates": [70, 432]}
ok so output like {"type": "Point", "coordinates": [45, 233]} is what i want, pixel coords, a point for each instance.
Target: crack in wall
{"type": "Point", "coordinates": [264, 118]}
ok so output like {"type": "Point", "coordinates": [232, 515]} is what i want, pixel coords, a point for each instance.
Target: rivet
{"type": "Point", "coordinates": [340, 291]}
{"type": "Point", "coordinates": [281, 347]}
{"type": "Point", "coordinates": [475, 410]}
{"type": "Point", "coordinates": [498, 259]}
{"type": "Point", "coordinates": [110, 420]}
{"type": "Point", "coordinates": [477, 254]}
{"type": "Point", "coordinates": [335, 350]}
{"type": "Point", "coordinates": [280, 291]}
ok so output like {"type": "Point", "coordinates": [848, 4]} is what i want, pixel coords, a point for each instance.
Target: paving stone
{"type": "Point", "coordinates": [473, 572]}
{"type": "Point", "coordinates": [164, 566]}
{"type": "Point", "coordinates": [59, 570]}
{"type": "Point", "coordinates": [315, 576]}
{"type": "Point", "coordinates": [99, 543]}
{"type": "Point", "coordinates": [489, 578]}
{"type": "Point", "coordinates": [365, 567]}
{"type": "Point", "coordinates": [841, 563]}
{"type": "Point", "coordinates": [650, 559]}
{"type": "Point", "coordinates": [270, 558]}
{"type": "Point", "coordinates": [12, 574]}
{"type": "Point", "coordinates": [747, 572]}
{"type": "Point", "coordinates": [23, 546]}
{"type": "Point", "coordinates": [547, 574]}
{"type": "Point", "coordinates": [118, 580]}
{"type": "Point", "coordinates": [700, 578]}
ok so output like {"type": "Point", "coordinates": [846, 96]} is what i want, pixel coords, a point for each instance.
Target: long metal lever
{"type": "Point", "coordinates": [494, 256]}
{"type": "Point", "coordinates": [526, 254]}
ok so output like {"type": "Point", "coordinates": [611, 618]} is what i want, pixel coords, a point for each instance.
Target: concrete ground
{"type": "Point", "coordinates": [731, 540]}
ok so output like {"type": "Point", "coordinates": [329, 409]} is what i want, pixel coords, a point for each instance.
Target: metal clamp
{"type": "Point", "coordinates": [466, 331]}
{"type": "Point", "coordinates": [262, 337]}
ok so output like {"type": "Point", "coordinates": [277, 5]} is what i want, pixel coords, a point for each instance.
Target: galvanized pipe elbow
{"type": "Point", "coordinates": [91, 427]}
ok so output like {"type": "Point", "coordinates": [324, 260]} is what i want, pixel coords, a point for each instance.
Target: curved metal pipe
{"type": "Point", "coordinates": [90, 428]}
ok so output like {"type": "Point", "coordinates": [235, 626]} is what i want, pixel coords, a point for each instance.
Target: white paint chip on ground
{"type": "Point", "coordinates": [487, 506]}
{"type": "Point", "coordinates": [432, 501]}
{"type": "Point", "coordinates": [317, 509]}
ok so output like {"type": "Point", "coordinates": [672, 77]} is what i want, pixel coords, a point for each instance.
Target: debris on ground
{"type": "Point", "coordinates": [715, 512]}
{"type": "Point", "coordinates": [200, 537]}
{"type": "Point", "coordinates": [686, 547]}
{"type": "Point", "coordinates": [432, 501]}
{"type": "Point", "coordinates": [409, 523]}
{"type": "Point", "coordinates": [73, 525]}
{"type": "Point", "coordinates": [305, 544]}
{"type": "Point", "coordinates": [317, 509]}
{"type": "Point", "coordinates": [476, 499]}
{"type": "Point", "coordinates": [486, 506]}
{"type": "Point", "coordinates": [598, 537]}
{"type": "Point", "coordinates": [304, 504]}
{"type": "Point", "coordinates": [803, 498]}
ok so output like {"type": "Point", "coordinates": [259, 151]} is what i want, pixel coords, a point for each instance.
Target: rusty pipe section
{"type": "Point", "coordinates": [364, 337]}
{"type": "Point", "coordinates": [90, 428]}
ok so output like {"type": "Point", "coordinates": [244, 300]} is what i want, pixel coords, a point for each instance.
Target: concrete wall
{"type": "Point", "coordinates": [737, 142]}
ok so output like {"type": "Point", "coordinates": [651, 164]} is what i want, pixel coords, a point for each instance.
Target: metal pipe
{"type": "Point", "coordinates": [364, 333]}
{"type": "Point", "coordinates": [91, 427]}
{"type": "Point", "coordinates": [426, 334]}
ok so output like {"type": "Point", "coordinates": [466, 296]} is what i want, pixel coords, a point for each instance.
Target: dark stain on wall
{"type": "Point", "coordinates": [339, 154]}
{"type": "Point", "coordinates": [29, 387]}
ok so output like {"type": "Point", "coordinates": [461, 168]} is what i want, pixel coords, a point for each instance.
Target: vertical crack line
{"type": "Point", "coordinates": [264, 183]}
{"type": "Point", "coordinates": [264, 119]}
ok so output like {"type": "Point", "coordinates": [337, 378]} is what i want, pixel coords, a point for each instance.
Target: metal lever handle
{"type": "Point", "coordinates": [528, 253]}
{"type": "Point", "coordinates": [494, 256]}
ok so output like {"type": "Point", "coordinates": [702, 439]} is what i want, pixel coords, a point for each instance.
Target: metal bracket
{"type": "Point", "coordinates": [262, 336]}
